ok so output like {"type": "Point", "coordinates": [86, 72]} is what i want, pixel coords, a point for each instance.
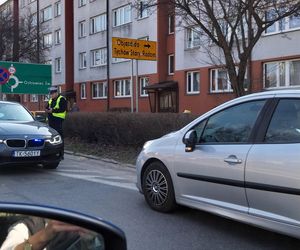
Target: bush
{"type": "Point", "coordinates": [122, 129]}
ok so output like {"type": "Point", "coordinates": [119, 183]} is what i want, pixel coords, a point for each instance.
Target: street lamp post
{"type": "Point", "coordinates": [107, 56]}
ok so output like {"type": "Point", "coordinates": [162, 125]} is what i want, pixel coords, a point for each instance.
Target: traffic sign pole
{"type": "Point", "coordinates": [131, 101]}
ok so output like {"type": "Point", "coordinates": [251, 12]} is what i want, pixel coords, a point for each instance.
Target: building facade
{"type": "Point", "coordinates": [182, 78]}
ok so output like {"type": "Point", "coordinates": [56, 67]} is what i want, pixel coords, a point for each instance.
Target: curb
{"type": "Point", "coordinates": [93, 157]}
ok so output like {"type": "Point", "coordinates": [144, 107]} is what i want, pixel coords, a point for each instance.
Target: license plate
{"type": "Point", "coordinates": [27, 153]}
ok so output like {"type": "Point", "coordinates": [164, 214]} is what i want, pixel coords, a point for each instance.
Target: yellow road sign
{"type": "Point", "coordinates": [133, 49]}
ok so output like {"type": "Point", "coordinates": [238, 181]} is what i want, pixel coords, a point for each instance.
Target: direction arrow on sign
{"type": "Point", "coordinates": [133, 49]}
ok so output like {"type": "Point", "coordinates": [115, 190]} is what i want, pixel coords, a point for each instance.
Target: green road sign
{"type": "Point", "coordinates": [25, 78]}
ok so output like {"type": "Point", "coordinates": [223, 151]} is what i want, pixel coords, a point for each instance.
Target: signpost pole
{"type": "Point", "coordinates": [137, 87]}
{"type": "Point", "coordinates": [131, 103]}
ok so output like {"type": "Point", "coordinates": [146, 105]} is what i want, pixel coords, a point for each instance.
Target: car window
{"type": "Point", "coordinates": [285, 123]}
{"type": "Point", "coordinates": [14, 112]}
{"type": "Point", "coordinates": [232, 125]}
{"type": "Point", "coordinates": [199, 129]}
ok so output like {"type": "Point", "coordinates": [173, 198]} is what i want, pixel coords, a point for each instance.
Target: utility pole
{"type": "Point", "coordinates": [38, 42]}
{"type": "Point", "coordinates": [107, 56]}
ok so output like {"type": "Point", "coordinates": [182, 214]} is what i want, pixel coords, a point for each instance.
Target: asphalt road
{"type": "Point", "coordinates": [108, 191]}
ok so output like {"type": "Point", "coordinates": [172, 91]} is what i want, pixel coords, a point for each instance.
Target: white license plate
{"type": "Point", "coordinates": [27, 153]}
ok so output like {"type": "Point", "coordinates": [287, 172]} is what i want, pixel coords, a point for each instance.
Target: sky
{"type": "Point", "coordinates": [2, 1]}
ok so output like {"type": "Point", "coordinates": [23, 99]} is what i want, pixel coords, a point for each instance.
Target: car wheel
{"type": "Point", "coordinates": [51, 165]}
{"type": "Point", "coordinates": [158, 188]}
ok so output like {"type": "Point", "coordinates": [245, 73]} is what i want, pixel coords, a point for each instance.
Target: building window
{"type": "Point", "coordinates": [192, 82]}
{"type": "Point", "coordinates": [288, 23]}
{"type": "Point", "coordinates": [46, 98]}
{"type": "Point", "coordinates": [282, 74]}
{"type": "Point", "coordinates": [171, 24]}
{"type": "Point", "coordinates": [219, 81]}
{"type": "Point", "coordinates": [34, 19]}
{"type": "Point", "coordinates": [83, 91]}
{"type": "Point", "coordinates": [98, 24]}
{"type": "Point", "coordinates": [82, 60]}
{"type": "Point", "coordinates": [25, 96]}
{"type": "Point", "coordinates": [23, 3]}
{"type": "Point", "coordinates": [81, 29]}
{"type": "Point", "coordinates": [58, 65]}
{"type": "Point", "coordinates": [192, 38]}
{"type": "Point", "coordinates": [47, 40]}
{"type": "Point", "coordinates": [57, 9]}
{"type": "Point", "coordinates": [81, 3]}
{"type": "Point", "coordinates": [57, 36]}
{"type": "Point", "coordinates": [142, 10]}
{"type": "Point", "coordinates": [98, 57]}
{"type": "Point", "coordinates": [122, 88]}
{"type": "Point", "coordinates": [46, 14]}
{"type": "Point", "coordinates": [99, 90]}
{"type": "Point", "coordinates": [144, 82]}
{"type": "Point", "coordinates": [119, 60]}
{"type": "Point", "coordinates": [34, 98]}
{"type": "Point", "coordinates": [122, 15]}
{"type": "Point", "coordinates": [171, 64]}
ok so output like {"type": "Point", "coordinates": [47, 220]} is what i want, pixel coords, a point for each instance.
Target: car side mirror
{"type": "Point", "coordinates": [58, 229]}
{"type": "Point", "coordinates": [190, 140]}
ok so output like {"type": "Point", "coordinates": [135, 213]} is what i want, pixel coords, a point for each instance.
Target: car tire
{"type": "Point", "coordinates": [51, 165]}
{"type": "Point", "coordinates": [158, 188]}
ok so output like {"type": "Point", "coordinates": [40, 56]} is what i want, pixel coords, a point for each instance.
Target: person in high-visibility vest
{"type": "Point", "coordinates": [57, 110]}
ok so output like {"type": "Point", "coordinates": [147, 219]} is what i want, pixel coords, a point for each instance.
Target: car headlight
{"type": "Point", "coordinates": [55, 140]}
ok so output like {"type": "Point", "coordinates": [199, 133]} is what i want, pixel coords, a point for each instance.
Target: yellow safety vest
{"type": "Point", "coordinates": [59, 115]}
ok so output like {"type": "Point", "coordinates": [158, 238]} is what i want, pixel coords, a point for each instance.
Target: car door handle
{"type": "Point", "coordinates": [232, 159]}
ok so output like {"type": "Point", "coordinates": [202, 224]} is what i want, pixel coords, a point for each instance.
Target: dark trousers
{"type": "Point", "coordinates": [57, 124]}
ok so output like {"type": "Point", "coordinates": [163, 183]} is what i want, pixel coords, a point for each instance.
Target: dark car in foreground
{"type": "Point", "coordinates": [25, 141]}
{"type": "Point", "coordinates": [240, 160]}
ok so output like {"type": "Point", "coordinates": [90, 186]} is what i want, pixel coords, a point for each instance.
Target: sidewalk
{"type": "Point", "coordinates": [93, 157]}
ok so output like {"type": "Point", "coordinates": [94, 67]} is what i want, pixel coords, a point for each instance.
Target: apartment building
{"type": "Point", "coordinates": [55, 18]}
{"type": "Point", "coordinates": [183, 77]}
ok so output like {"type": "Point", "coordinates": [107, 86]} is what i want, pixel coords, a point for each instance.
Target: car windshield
{"type": "Point", "coordinates": [14, 112]}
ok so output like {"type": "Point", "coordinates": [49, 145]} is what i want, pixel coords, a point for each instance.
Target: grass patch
{"type": "Point", "coordinates": [124, 154]}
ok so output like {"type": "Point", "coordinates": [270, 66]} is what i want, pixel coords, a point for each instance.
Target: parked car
{"type": "Point", "coordinates": [23, 140]}
{"type": "Point", "coordinates": [91, 232]}
{"type": "Point", "coordinates": [240, 160]}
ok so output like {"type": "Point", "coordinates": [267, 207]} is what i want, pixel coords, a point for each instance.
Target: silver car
{"type": "Point", "coordinates": [240, 160]}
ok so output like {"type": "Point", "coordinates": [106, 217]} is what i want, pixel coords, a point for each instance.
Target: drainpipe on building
{"type": "Point", "coordinates": [107, 56]}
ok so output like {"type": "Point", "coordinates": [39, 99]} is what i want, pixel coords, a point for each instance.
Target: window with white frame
{"type": "Point", "coordinates": [144, 82]}
{"type": "Point", "coordinates": [82, 60]}
{"type": "Point", "coordinates": [122, 88]}
{"type": "Point", "coordinates": [142, 10]}
{"type": "Point", "coordinates": [119, 60]}
{"type": "Point", "coordinates": [81, 29]}
{"type": "Point", "coordinates": [46, 14]}
{"type": "Point", "coordinates": [192, 38]}
{"type": "Point", "coordinates": [288, 23]}
{"type": "Point", "coordinates": [57, 36]}
{"type": "Point", "coordinates": [47, 40]}
{"type": "Point", "coordinates": [171, 64]}
{"type": "Point", "coordinates": [171, 24]}
{"type": "Point", "coordinates": [98, 23]}
{"type": "Point", "coordinates": [57, 8]}
{"type": "Point", "coordinates": [81, 3]}
{"type": "Point", "coordinates": [282, 74]}
{"type": "Point", "coordinates": [34, 98]}
{"type": "Point", "coordinates": [99, 90]}
{"type": "Point", "coordinates": [46, 98]}
{"type": "Point", "coordinates": [58, 65]}
{"type": "Point", "coordinates": [83, 90]}
{"type": "Point", "coordinates": [98, 57]}
{"type": "Point", "coordinates": [23, 3]}
{"type": "Point", "coordinates": [34, 19]}
{"type": "Point", "coordinates": [219, 81]}
{"type": "Point", "coordinates": [193, 82]}
{"type": "Point", "coordinates": [122, 15]}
